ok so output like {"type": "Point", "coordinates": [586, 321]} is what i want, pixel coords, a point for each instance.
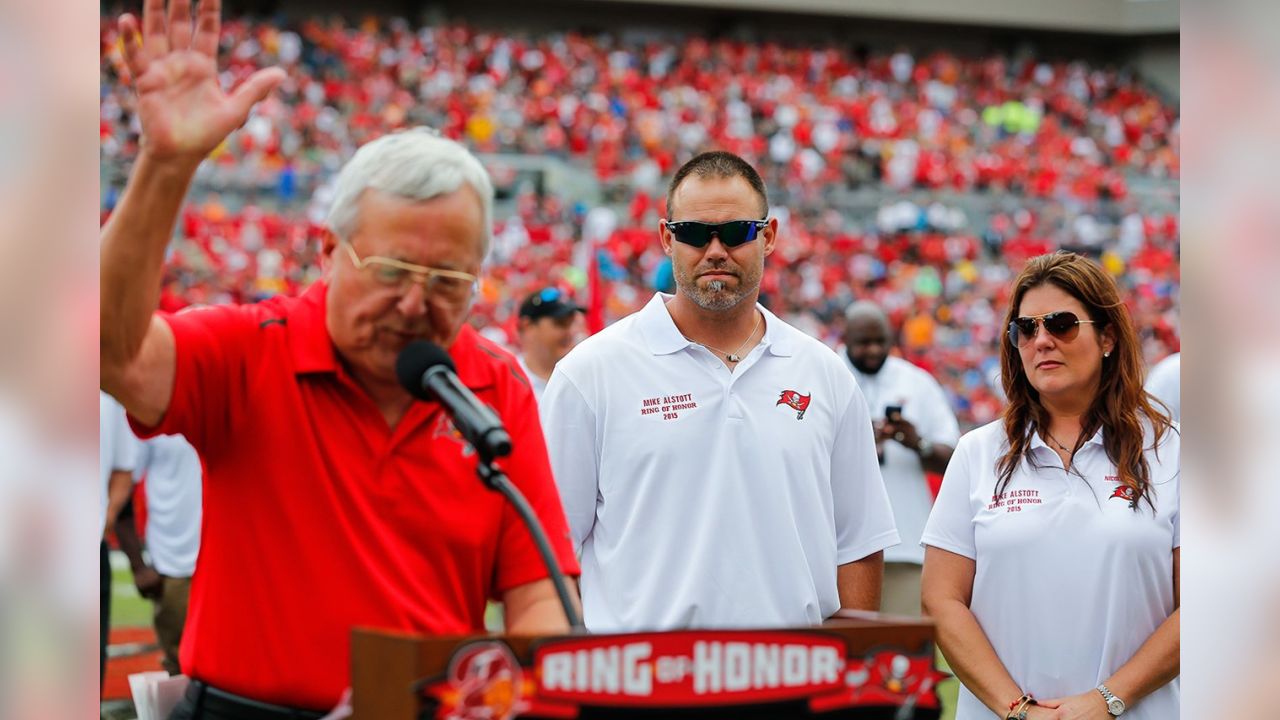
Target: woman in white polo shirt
{"type": "Point", "coordinates": [1051, 563]}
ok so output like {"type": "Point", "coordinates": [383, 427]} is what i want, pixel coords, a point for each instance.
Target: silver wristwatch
{"type": "Point", "coordinates": [1115, 705]}
{"type": "Point", "coordinates": [925, 448]}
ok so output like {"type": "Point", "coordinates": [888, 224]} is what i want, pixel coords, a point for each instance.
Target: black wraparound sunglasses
{"type": "Point", "coordinates": [1063, 325]}
{"type": "Point", "coordinates": [732, 233]}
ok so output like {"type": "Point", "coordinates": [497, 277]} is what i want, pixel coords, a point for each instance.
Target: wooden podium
{"type": "Point", "coordinates": [856, 665]}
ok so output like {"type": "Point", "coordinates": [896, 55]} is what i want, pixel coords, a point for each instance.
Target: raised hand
{"type": "Point", "coordinates": [184, 112]}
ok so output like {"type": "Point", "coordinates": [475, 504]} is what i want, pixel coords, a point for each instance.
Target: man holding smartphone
{"type": "Point", "coordinates": [915, 435]}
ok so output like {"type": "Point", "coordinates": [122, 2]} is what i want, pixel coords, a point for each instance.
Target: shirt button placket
{"type": "Point", "coordinates": [732, 401]}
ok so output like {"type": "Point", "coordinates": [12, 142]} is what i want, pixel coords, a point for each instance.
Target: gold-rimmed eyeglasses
{"type": "Point", "coordinates": [450, 285]}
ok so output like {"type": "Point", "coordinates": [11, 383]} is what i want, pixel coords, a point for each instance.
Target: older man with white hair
{"type": "Point", "coordinates": [333, 498]}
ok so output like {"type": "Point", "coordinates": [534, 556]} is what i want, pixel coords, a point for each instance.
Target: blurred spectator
{"type": "Point", "coordinates": [973, 164]}
{"type": "Point", "coordinates": [628, 108]}
{"type": "Point", "coordinates": [1165, 382]}
{"type": "Point", "coordinates": [117, 455]}
{"type": "Point", "coordinates": [171, 475]}
{"type": "Point", "coordinates": [547, 333]}
{"type": "Point", "coordinates": [916, 432]}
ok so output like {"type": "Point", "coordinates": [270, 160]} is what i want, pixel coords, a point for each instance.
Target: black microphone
{"type": "Point", "coordinates": [427, 372]}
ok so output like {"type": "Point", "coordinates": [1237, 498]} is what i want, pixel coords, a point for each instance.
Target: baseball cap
{"type": "Point", "coordinates": [549, 302]}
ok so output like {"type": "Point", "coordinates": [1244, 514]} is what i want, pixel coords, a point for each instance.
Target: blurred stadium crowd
{"type": "Point", "coordinates": [921, 181]}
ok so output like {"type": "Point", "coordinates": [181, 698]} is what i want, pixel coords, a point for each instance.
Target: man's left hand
{"type": "Point", "coordinates": [149, 583]}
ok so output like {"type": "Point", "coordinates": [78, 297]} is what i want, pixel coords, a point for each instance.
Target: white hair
{"type": "Point", "coordinates": [416, 164]}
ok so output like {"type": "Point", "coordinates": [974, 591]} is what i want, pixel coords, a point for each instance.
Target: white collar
{"type": "Point", "coordinates": [1038, 442]}
{"type": "Point", "coordinates": [664, 338]}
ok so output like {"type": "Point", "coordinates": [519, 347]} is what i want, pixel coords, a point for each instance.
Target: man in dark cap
{"type": "Point", "coordinates": [548, 331]}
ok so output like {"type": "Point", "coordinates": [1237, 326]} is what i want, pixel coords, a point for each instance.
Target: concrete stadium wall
{"type": "Point", "coordinates": [1158, 63]}
{"type": "Point", "coordinates": [1104, 16]}
{"type": "Point", "coordinates": [1108, 17]}
{"type": "Point", "coordinates": [1117, 17]}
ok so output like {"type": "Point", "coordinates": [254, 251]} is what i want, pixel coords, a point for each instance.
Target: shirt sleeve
{"type": "Point", "coordinates": [519, 561]}
{"type": "Point", "coordinates": [124, 446]}
{"type": "Point", "coordinates": [1176, 517]}
{"type": "Point", "coordinates": [570, 425]}
{"type": "Point", "coordinates": [864, 518]}
{"type": "Point", "coordinates": [146, 454]}
{"type": "Point", "coordinates": [210, 374]}
{"type": "Point", "coordinates": [950, 526]}
{"type": "Point", "coordinates": [1164, 383]}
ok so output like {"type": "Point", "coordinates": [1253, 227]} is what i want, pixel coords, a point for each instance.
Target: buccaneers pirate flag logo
{"type": "Point", "coordinates": [795, 401]}
{"type": "Point", "coordinates": [1124, 492]}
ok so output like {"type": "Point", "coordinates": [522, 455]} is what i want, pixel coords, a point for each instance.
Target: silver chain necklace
{"type": "Point", "coordinates": [732, 357]}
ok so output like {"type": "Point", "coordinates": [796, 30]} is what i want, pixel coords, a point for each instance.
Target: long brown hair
{"type": "Point", "coordinates": [1121, 404]}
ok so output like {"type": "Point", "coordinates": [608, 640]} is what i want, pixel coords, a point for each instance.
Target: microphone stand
{"type": "Point", "coordinates": [495, 479]}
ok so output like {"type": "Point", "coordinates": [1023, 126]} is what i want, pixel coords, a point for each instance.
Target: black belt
{"type": "Point", "coordinates": [214, 703]}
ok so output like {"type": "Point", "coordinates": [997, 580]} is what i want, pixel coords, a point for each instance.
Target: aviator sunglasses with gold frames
{"type": "Point", "coordinates": [1063, 325]}
{"type": "Point", "coordinates": [452, 285]}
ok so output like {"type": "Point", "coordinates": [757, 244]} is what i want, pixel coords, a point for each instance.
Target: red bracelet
{"type": "Point", "coordinates": [1018, 708]}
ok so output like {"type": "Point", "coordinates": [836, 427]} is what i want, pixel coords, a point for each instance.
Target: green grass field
{"type": "Point", "coordinates": [128, 608]}
{"type": "Point", "coordinates": [947, 692]}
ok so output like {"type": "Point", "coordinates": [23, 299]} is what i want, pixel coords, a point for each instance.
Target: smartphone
{"type": "Point", "coordinates": [893, 413]}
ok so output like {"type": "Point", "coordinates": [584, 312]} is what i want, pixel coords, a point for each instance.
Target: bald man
{"type": "Point", "coordinates": [916, 431]}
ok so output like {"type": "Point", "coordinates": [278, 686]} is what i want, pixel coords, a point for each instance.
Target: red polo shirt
{"type": "Point", "coordinates": [319, 517]}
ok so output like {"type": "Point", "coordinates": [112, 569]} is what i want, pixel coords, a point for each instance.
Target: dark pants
{"type": "Point", "coordinates": [104, 617]}
{"type": "Point", "coordinates": [202, 702]}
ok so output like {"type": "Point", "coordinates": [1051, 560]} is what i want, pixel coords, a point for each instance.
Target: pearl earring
{"type": "Point", "coordinates": [1106, 354]}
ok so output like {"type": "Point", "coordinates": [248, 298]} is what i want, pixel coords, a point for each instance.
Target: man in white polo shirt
{"type": "Point", "coordinates": [916, 431]}
{"type": "Point", "coordinates": [1165, 383]}
{"type": "Point", "coordinates": [117, 453]}
{"type": "Point", "coordinates": [173, 476]}
{"type": "Point", "coordinates": [717, 466]}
